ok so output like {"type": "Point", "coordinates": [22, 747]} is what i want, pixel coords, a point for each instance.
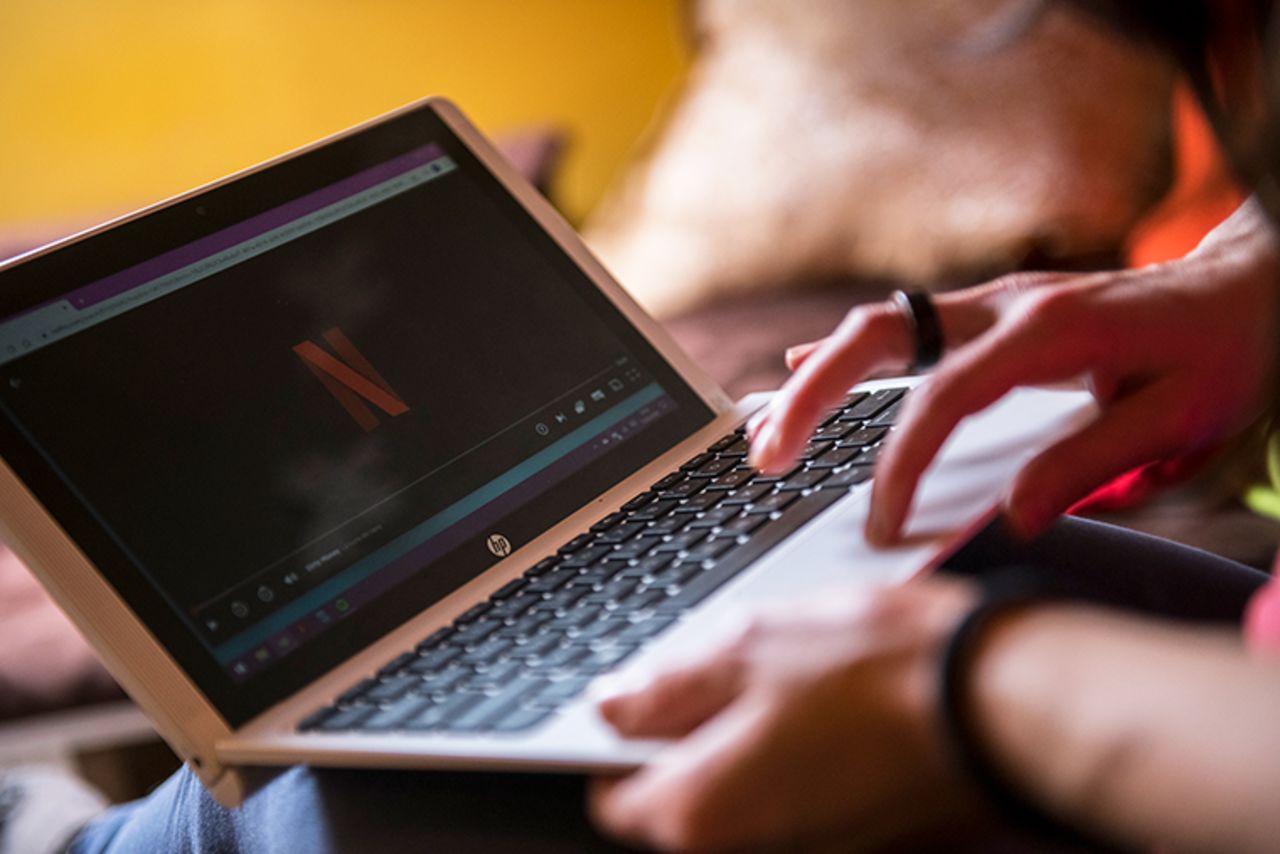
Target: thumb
{"type": "Point", "coordinates": [675, 702]}
{"type": "Point", "coordinates": [1131, 432]}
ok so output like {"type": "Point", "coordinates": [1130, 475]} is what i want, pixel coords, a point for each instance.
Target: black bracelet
{"type": "Point", "coordinates": [1004, 591]}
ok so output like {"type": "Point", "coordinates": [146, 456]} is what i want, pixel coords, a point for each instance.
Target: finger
{"type": "Point", "coordinates": [1012, 354]}
{"type": "Point", "coordinates": [692, 796]}
{"type": "Point", "coordinates": [869, 336]}
{"type": "Point", "coordinates": [797, 355]}
{"type": "Point", "coordinates": [1134, 431]}
{"type": "Point", "coordinates": [674, 703]}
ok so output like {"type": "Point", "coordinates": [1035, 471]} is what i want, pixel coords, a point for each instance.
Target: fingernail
{"type": "Point", "coordinates": [879, 531]}
{"type": "Point", "coordinates": [790, 356]}
{"type": "Point", "coordinates": [617, 685]}
{"type": "Point", "coordinates": [765, 445]}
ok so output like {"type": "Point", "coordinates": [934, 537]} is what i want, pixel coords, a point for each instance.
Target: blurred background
{"type": "Point", "coordinates": [111, 104]}
{"type": "Point", "coordinates": [748, 169]}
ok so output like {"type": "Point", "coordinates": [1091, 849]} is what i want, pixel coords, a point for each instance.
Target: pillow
{"type": "Point", "coordinates": [910, 140]}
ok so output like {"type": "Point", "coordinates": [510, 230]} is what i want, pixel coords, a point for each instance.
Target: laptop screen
{"type": "Point", "coordinates": [288, 414]}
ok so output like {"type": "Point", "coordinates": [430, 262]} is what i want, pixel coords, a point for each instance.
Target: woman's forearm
{"type": "Point", "coordinates": [1140, 731]}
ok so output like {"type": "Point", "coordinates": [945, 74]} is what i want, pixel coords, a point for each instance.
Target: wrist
{"type": "Point", "coordinates": [972, 726]}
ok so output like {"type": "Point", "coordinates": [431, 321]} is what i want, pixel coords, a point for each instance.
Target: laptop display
{"type": "Point", "coordinates": [281, 434]}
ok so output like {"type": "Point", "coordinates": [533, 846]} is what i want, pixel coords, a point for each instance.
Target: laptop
{"type": "Point", "coordinates": [360, 458]}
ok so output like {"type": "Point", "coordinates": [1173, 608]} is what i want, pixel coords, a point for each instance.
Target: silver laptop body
{"type": "Point", "coordinates": [262, 439]}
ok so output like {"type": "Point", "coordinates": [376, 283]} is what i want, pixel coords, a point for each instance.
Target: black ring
{"type": "Point", "coordinates": [917, 309]}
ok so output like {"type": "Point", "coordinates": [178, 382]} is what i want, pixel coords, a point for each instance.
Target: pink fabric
{"type": "Point", "coordinates": [1262, 619]}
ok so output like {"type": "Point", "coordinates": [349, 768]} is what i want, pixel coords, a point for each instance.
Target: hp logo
{"type": "Point", "coordinates": [499, 545]}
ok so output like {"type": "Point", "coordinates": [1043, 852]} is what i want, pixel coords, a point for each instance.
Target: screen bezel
{"type": "Point", "coordinates": [43, 274]}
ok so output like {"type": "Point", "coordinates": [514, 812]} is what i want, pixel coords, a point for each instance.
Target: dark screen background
{"type": "Point", "coordinates": [194, 432]}
{"type": "Point", "coordinates": [245, 453]}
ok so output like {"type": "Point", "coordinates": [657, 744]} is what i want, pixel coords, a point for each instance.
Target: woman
{"type": "Point", "coordinates": [848, 722]}
{"type": "Point", "coordinates": [856, 720]}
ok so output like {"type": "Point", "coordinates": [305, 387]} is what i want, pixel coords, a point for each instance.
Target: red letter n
{"type": "Point", "coordinates": [352, 381]}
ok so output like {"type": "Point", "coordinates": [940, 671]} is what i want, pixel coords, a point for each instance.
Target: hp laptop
{"type": "Point", "coordinates": [360, 458]}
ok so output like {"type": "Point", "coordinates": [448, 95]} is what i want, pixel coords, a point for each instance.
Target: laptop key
{"type": "Point", "coordinates": [346, 719]}
{"type": "Point", "coordinates": [773, 503]}
{"type": "Point", "coordinates": [835, 458]}
{"type": "Point", "coordinates": [889, 416]}
{"type": "Point", "coordinates": [395, 665]}
{"type": "Point", "coordinates": [735, 561]}
{"type": "Point", "coordinates": [356, 692]}
{"type": "Point", "coordinates": [710, 550]}
{"type": "Point", "coordinates": [732, 479]}
{"type": "Point", "coordinates": [699, 461]}
{"type": "Point", "coordinates": [586, 557]}
{"type": "Point", "coordinates": [445, 681]}
{"type": "Point", "coordinates": [390, 689]}
{"type": "Point", "coordinates": [579, 542]}
{"type": "Point", "coordinates": [639, 501]}
{"type": "Point", "coordinates": [681, 542]}
{"type": "Point", "coordinates": [874, 403]}
{"type": "Point", "coordinates": [319, 716]}
{"type": "Point", "coordinates": [715, 468]}
{"type": "Point", "coordinates": [863, 436]}
{"type": "Point", "coordinates": [714, 518]}
{"type": "Point", "coordinates": [511, 588]}
{"type": "Point", "coordinates": [683, 490]}
{"type": "Point", "coordinates": [433, 715]}
{"type": "Point", "coordinates": [619, 534]}
{"type": "Point", "coordinates": [747, 495]}
{"type": "Point", "coordinates": [699, 503]}
{"type": "Point", "coordinates": [559, 691]}
{"type": "Point", "coordinates": [846, 478]}
{"type": "Point", "coordinates": [472, 614]}
{"type": "Point", "coordinates": [395, 714]}
{"type": "Point", "coordinates": [435, 660]}
{"type": "Point", "coordinates": [493, 707]}
{"type": "Point", "coordinates": [672, 524]}
{"type": "Point", "coordinates": [807, 479]}
{"type": "Point", "coordinates": [542, 567]}
{"type": "Point", "coordinates": [520, 719]}
{"type": "Point", "coordinates": [562, 658]}
{"type": "Point", "coordinates": [643, 630]}
{"type": "Point", "coordinates": [599, 630]}
{"type": "Point", "coordinates": [655, 510]}
{"type": "Point", "coordinates": [609, 521]}
{"type": "Point", "coordinates": [602, 660]}
{"type": "Point", "coordinates": [498, 674]}
{"type": "Point", "coordinates": [723, 443]}
{"type": "Point", "coordinates": [742, 526]}
{"type": "Point", "coordinates": [434, 639]}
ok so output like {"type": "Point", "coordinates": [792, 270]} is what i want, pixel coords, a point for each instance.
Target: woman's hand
{"type": "Point", "coordinates": [1179, 356]}
{"type": "Point", "coordinates": [817, 719]}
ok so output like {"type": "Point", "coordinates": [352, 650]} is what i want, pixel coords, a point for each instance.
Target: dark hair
{"type": "Point", "coordinates": [1230, 53]}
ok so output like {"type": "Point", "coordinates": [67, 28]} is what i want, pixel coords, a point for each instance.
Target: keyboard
{"type": "Point", "coordinates": [509, 663]}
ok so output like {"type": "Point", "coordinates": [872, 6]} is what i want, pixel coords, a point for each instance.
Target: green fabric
{"type": "Point", "coordinates": [1265, 499]}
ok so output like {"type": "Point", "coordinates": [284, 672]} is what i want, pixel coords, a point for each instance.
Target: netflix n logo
{"type": "Point", "coordinates": [350, 378]}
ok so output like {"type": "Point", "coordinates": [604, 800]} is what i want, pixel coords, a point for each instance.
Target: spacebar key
{"type": "Point", "coordinates": [740, 558]}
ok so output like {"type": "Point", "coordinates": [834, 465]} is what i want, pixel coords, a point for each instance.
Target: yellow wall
{"type": "Point", "coordinates": [109, 104]}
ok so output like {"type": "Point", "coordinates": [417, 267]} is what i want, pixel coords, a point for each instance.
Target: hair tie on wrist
{"type": "Point", "coordinates": [1003, 591]}
{"type": "Point", "coordinates": [921, 316]}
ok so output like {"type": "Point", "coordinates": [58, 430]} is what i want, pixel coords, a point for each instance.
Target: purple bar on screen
{"type": "Point", "coordinates": [154, 268]}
